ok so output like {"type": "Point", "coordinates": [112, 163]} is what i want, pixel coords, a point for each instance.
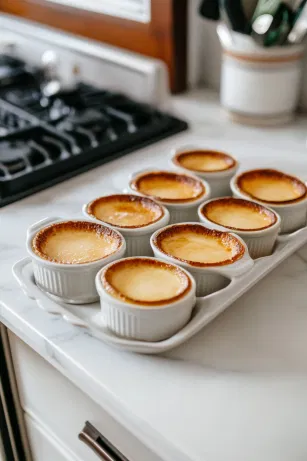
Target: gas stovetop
{"type": "Point", "coordinates": [47, 138]}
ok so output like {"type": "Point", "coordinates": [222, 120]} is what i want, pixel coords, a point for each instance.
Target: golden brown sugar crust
{"type": "Point", "coordinates": [126, 202]}
{"type": "Point", "coordinates": [141, 182]}
{"type": "Point", "coordinates": [226, 160]}
{"type": "Point", "coordinates": [42, 236]}
{"type": "Point", "coordinates": [108, 273]}
{"type": "Point", "coordinates": [274, 175]}
{"type": "Point", "coordinates": [225, 238]}
{"type": "Point", "coordinates": [231, 202]}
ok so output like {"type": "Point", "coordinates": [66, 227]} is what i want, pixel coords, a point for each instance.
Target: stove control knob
{"type": "Point", "coordinates": [55, 81]}
{"type": "Point", "coordinates": [50, 65]}
{"type": "Point", "coordinates": [51, 84]}
{"type": "Point", "coordinates": [50, 62]}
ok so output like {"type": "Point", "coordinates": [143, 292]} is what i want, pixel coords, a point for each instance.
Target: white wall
{"type": "Point", "coordinates": [205, 54]}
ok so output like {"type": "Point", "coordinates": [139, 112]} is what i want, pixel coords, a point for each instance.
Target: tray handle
{"type": "Point", "coordinates": [31, 290]}
{"type": "Point", "coordinates": [17, 270]}
{"type": "Point", "coordinates": [300, 233]}
{"type": "Point", "coordinates": [210, 306]}
{"type": "Point", "coordinates": [218, 301]}
{"type": "Point", "coordinates": [55, 308]}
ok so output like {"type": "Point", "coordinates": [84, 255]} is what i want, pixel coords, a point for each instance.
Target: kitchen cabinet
{"type": "Point", "coordinates": [55, 412]}
{"type": "Point", "coordinates": [44, 447]}
{"type": "Point", "coordinates": [137, 10]}
{"type": "Point", "coordinates": [156, 28]}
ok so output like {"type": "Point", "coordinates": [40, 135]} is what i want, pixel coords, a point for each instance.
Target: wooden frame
{"type": "Point", "coordinates": [165, 37]}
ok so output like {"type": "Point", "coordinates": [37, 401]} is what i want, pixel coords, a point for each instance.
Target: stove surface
{"type": "Point", "coordinates": [45, 139]}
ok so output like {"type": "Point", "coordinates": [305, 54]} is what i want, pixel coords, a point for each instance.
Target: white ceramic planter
{"type": "Point", "coordinates": [142, 322]}
{"type": "Point", "coordinates": [70, 283]}
{"type": "Point", "coordinates": [261, 86]}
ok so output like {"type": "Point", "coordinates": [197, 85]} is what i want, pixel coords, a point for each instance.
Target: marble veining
{"type": "Point", "coordinates": [235, 391]}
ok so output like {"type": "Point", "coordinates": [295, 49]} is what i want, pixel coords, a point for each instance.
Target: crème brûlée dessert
{"type": "Point", "coordinates": [204, 160]}
{"type": "Point", "coordinates": [126, 211]}
{"type": "Point", "coordinates": [169, 187]}
{"type": "Point", "coordinates": [199, 246]}
{"type": "Point", "coordinates": [145, 281]}
{"type": "Point", "coordinates": [271, 186]}
{"type": "Point", "coordinates": [76, 242]}
{"type": "Point", "coordinates": [238, 214]}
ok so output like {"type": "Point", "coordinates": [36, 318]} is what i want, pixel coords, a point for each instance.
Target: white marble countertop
{"type": "Point", "coordinates": [237, 390]}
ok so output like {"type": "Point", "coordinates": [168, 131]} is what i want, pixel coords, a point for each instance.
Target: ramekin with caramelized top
{"type": "Point", "coordinates": [180, 193]}
{"type": "Point", "coordinates": [145, 298]}
{"type": "Point", "coordinates": [285, 194]}
{"type": "Point", "coordinates": [134, 216]}
{"type": "Point", "coordinates": [214, 166]}
{"type": "Point", "coordinates": [211, 256]}
{"type": "Point", "coordinates": [67, 254]}
{"type": "Point", "coordinates": [256, 224]}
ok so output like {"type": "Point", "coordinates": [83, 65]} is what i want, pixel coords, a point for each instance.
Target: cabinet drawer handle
{"type": "Point", "coordinates": [99, 444]}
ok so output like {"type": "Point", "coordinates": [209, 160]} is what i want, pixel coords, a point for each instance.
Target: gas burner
{"type": "Point", "coordinates": [58, 109]}
{"type": "Point", "coordinates": [46, 139]}
{"type": "Point", "coordinates": [12, 156]}
{"type": "Point", "coordinates": [13, 70]}
{"type": "Point", "coordinates": [33, 150]}
{"type": "Point", "coordinates": [88, 127]}
{"type": "Point", "coordinates": [10, 122]}
{"type": "Point", "coordinates": [33, 100]}
{"type": "Point", "coordinates": [12, 150]}
{"type": "Point", "coordinates": [23, 97]}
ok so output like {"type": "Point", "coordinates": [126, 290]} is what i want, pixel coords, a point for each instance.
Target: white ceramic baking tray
{"type": "Point", "coordinates": [207, 308]}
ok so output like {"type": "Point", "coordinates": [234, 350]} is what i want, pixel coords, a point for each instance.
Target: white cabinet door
{"type": "Point", "coordinates": [50, 399]}
{"type": "Point", "coordinates": [43, 446]}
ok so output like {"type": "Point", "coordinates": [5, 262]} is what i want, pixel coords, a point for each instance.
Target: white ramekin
{"type": "Point", "coordinates": [179, 212]}
{"type": "Point", "coordinates": [70, 283]}
{"type": "Point", "coordinates": [293, 215]}
{"type": "Point", "coordinates": [259, 242]}
{"type": "Point", "coordinates": [212, 278]}
{"type": "Point", "coordinates": [145, 323]}
{"type": "Point", "coordinates": [138, 239]}
{"type": "Point", "coordinates": [219, 181]}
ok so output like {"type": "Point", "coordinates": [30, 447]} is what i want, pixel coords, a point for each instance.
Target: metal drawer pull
{"type": "Point", "coordinates": [99, 444]}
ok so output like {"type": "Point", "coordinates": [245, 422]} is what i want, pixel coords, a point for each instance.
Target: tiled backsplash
{"type": "Point", "coordinates": [205, 53]}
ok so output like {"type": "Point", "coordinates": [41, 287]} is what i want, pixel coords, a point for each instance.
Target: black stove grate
{"type": "Point", "coordinates": [44, 141]}
{"type": "Point", "coordinates": [11, 122]}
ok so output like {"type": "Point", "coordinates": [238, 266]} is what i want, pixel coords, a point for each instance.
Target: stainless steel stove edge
{"type": "Point", "coordinates": [143, 79]}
